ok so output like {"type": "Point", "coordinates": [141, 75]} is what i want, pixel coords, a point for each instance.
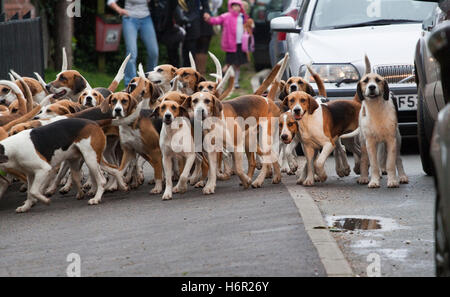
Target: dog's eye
{"type": "Point", "coordinates": [163, 107]}
{"type": "Point", "coordinates": [290, 124]}
{"type": "Point", "coordinates": [4, 90]}
{"type": "Point", "coordinates": [366, 80]}
{"type": "Point", "coordinates": [124, 101]}
{"type": "Point", "coordinates": [95, 95]}
{"type": "Point", "coordinates": [377, 80]}
{"type": "Point", "coordinates": [62, 78]}
{"type": "Point", "coordinates": [210, 87]}
{"type": "Point", "coordinates": [195, 101]}
{"type": "Point", "coordinates": [185, 74]}
{"type": "Point", "coordinates": [173, 107]}
{"type": "Point", "coordinates": [302, 100]}
{"type": "Point", "coordinates": [114, 101]}
{"type": "Point", "coordinates": [159, 70]}
{"type": "Point", "coordinates": [207, 101]}
{"type": "Point", "coordinates": [300, 82]}
{"type": "Point", "coordinates": [292, 100]}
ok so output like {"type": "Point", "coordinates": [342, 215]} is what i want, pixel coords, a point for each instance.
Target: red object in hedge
{"type": "Point", "coordinates": [107, 35]}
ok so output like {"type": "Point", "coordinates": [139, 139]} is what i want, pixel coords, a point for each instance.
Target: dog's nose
{"type": "Point", "coordinates": [47, 87]}
{"type": "Point", "coordinates": [284, 137]}
{"type": "Point", "coordinates": [293, 88]}
{"type": "Point", "coordinates": [167, 116]}
{"type": "Point", "coordinates": [88, 99]}
{"type": "Point", "coordinates": [297, 110]}
{"type": "Point", "coordinates": [372, 87]}
{"type": "Point", "coordinates": [117, 110]}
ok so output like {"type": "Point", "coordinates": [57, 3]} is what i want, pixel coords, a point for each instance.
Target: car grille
{"type": "Point", "coordinates": [395, 73]}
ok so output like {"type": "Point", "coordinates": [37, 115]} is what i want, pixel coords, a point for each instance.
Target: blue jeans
{"type": "Point", "coordinates": [131, 27]}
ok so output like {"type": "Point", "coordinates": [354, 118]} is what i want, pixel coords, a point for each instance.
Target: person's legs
{"type": "Point", "coordinates": [148, 36]}
{"type": "Point", "coordinates": [201, 56]}
{"type": "Point", "coordinates": [237, 72]}
{"type": "Point", "coordinates": [189, 45]}
{"type": "Point", "coordinates": [130, 30]}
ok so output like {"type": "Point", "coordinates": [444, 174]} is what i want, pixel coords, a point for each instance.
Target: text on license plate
{"type": "Point", "coordinates": [407, 102]}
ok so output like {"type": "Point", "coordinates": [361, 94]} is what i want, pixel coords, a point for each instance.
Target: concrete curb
{"type": "Point", "coordinates": [329, 252]}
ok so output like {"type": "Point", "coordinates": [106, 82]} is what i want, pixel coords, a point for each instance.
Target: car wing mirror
{"type": "Point", "coordinates": [284, 24]}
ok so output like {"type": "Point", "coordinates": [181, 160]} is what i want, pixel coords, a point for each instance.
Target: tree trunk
{"type": "Point", "coordinates": [45, 36]}
{"type": "Point", "coordinates": [64, 33]}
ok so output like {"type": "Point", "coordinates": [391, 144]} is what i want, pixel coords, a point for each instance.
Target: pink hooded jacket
{"type": "Point", "coordinates": [228, 21]}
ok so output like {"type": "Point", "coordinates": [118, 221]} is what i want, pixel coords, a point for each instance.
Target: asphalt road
{"type": "Point", "coordinates": [255, 232]}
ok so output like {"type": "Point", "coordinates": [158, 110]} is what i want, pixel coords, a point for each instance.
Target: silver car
{"type": "Point", "coordinates": [334, 35]}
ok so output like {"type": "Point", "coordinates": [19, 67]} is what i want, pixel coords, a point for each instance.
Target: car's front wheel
{"type": "Point", "coordinates": [442, 253]}
{"type": "Point", "coordinates": [423, 119]}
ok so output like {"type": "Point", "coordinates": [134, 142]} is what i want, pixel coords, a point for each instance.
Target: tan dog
{"type": "Point", "coordinates": [140, 137]}
{"type": "Point", "coordinates": [90, 98]}
{"type": "Point", "coordinates": [320, 125]}
{"type": "Point", "coordinates": [378, 125]}
{"type": "Point", "coordinates": [220, 134]}
{"type": "Point", "coordinates": [141, 88]}
{"type": "Point", "coordinates": [7, 97]}
{"type": "Point", "coordinates": [162, 75]}
{"type": "Point", "coordinates": [187, 80]}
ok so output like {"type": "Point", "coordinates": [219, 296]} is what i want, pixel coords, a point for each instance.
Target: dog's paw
{"type": "Point", "coordinates": [404, 179]}
{"type": "Point", "coordinates": [383, 172]}
{"type": "Point", "coordinates": [393, 183]}
{"type": "Point", "coordinates": [64, 190]}
{"type": "Point", "coordinates": [87, 185]}
{"type": "Point", "coordinates": [200, 184]}
{"type": "Point", "coordinates": [167, 195]}
{"type": "Point", "coordinates": [151, 181]}
{"type": "Point", "coordinates": [357, 169]}
{"type": "Point", "coordinates": [94, 201]}
{"type": "Point", "coordinates": [374, 184]}
{"type": "Point", "coordinates": [180, 188]}
{"type": "Point", "coordinates": [23, 208]}
{"type": "Point", "coordinates": [208, 189]}
{"type": "Point", "coordinates": [80, 195]}
{"type": "Point", "coordinates": [257, 183]}
{"type": "Point", "coordinates": [276, 179]}
{"type": "Point", "coordinates": [156, 190]}
{"type": "Point", "coordinates": [363, 180]}
{"type": "Point", "coordinates": [308, 182]}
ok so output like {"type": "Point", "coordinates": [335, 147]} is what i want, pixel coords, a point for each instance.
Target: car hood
{"type": "Point", "coordinates": [393, 44]}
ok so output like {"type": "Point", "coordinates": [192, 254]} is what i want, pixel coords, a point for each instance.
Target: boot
{"type": "Point", "coordinates": [200, 61]}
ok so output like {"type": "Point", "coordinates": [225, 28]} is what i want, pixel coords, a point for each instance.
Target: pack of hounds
{"type": "Point", "coordinates": [49, 131]}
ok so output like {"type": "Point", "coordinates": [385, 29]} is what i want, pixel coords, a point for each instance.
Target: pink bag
{"type": "Point", "coordinates": [248, 42]}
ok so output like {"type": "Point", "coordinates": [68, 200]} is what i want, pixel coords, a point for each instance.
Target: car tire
{"type": "Point", "coordinates": [442, 252]}
{"type": "Point", "coordinates": [423, 140]}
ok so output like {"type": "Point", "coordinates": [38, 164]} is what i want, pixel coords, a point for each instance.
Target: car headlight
{"type": "Point", "coordinates": [332, 73]}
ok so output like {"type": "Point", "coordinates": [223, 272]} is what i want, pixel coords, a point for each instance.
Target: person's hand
{"type": "Point", "coordinates": [206, 16]}
{"type": "Point", "coordinates": [123, 12]}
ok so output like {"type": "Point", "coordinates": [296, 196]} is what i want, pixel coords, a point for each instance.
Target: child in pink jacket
{"type": "Point", "coordinates": [232, 30]}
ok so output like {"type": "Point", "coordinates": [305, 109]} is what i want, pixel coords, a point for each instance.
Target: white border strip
{"type": "Point", "coordinates": [329, 252]}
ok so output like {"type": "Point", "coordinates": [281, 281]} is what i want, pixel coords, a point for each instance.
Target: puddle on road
{"type": "Point", "coordinates": [357, 224]}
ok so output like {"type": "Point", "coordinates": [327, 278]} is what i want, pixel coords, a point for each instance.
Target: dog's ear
{"type": "Point", "coordinates": [79, 84]}
{"type": "Point", "coordinates": [285, 102]}
{"type": "Point", "coordinates": [359, 91]}
{"type": "Point", "coordinates": [183, 112]}
{"type": "Point", "coordinates": [80, 100]}
{"type": "Point", "coordinates": [312, 105]}
{"type": "Point", "coordinates": [187, 103]}
{"type": "Point", "coordinates": [154, 92]}
{"type": "Point", "coordinates": [104, 107]}
{"type": "Point", "coordinates": [173, 70]}
{"type": "Point", "coordinates": [310, 90]}
{"type": "Point", "coordinates": [199, 77]}
{"type": "Point", "coordinates": [100, 99]}
{"type": "Point", "coordinates": [155, 112]}
{"type": "Point", "coordinates": [217, 109]}
{"type": "Point", "coordinates": [62, 110]}
{"type": "Point", "coordinates": [385, 90]}
{"type": "Point", "coordinates": [132, 104]}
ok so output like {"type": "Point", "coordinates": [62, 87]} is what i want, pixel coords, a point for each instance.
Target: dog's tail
{"type": "Point", "coordinates": [229, 76]}
{"type": "Point", "coordinates": [41, 81]}
{"type": "Point", "coordinates": [28, 95]}
{"type": "Point", "coordinates": [272, 75]}
{"type": "Point", "coordinates": [26, 117]}
{"type": "Point", "coordinates": [119, 76]}
{"type": "Point", "coordinates": [14, 88]}
{"type": "Point", "coordinates": [319, 81]}
{"type": "Point", "coordinates": [367, 62]}
{"type": "Point", "coordinates": [351, 134]}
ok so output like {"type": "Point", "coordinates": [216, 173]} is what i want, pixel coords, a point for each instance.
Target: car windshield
{"type": "Point", "coordinates": [332, 14]}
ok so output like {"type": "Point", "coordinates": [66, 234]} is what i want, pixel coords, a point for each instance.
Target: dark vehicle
{"type": "Point", "coordinates": [439, 46]}
{"type": "Point", "coordinates": [261, 32]}
{"type": "Point", "coordinates": [429, 85]}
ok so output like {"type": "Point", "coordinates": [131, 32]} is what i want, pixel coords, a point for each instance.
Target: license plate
{"type": "Point", "coordinates": [407, 102]}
